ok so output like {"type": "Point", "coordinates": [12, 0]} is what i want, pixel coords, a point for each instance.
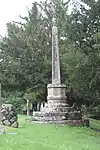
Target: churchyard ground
{"type": "Point", "coordinates": [49, 137]}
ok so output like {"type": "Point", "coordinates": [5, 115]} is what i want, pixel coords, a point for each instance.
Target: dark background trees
{"type": "Point", "coordinates": [25, 56]}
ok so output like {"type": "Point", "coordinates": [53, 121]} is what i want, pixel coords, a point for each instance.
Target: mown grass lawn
{"type": "Point", "coordinates": [49, 137]}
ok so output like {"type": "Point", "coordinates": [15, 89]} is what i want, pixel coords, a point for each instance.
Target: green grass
{"type": "Point", "coordinates": [49, 137]}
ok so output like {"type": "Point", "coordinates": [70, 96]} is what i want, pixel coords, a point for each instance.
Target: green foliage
{"type": "Point", "coordinates": [26, 53]}
{"type": "Point", "coordinates": [15, 98]}
{"type": "Point", "coordinates": [84, 31]}
{"type": "Point", "coordinates": [25, 56]}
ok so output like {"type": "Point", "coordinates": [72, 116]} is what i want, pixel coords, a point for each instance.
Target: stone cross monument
{"type": "Point", "coordinates": [56, 109]}
{"type": "Point", "coordinates": [56, 91]}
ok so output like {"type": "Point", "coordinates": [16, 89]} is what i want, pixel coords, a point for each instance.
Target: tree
{"type": "Point", "coordinates": [26, 52]}
{"type": "Point", "coordinates": [25, 63]}
{"type": "Point", "coordinates": [83, 31]}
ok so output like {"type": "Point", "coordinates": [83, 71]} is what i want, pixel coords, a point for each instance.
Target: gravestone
{"type": "Point", "coordinates": [56, 109]}
{"type": "Point", "coordinates": [28, 108]}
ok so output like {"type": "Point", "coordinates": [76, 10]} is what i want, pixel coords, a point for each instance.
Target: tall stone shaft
{"type": "Point", "coordinates": [55, 55]}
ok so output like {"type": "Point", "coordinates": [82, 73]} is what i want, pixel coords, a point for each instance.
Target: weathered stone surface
{"type": "Point", "coordinates": [57, 91]}
{"type": "Point", "coordinates": [74, 115]}
{"type": "Point", "coordinates": [65, 122]}
{"type": "Point", "coordinates": [2, 118]}
{"type": "Point", "coordinates": [8, 107]}
{"type": "Point", "coordinates": [55, 56]}
{"type": "Point", "coordinates": [13, 119]}
{"type": "Point", "coordinates": [15, 124]}
{"type": "Point", "coordinates": [4, 111]}
{"type": "Point", "coordinates": [9, 115]}
{"type": "Point", "coordinates": [6, 122]}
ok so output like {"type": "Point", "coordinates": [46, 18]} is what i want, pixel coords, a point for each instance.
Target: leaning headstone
{"type": "Point", "coordinates": [9, 116]}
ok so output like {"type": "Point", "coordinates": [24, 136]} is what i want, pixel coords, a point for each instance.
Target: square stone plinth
{"type": "Point", "coordinates": [56, 94]}
{"type": "Point", "coordinates": [55, 90]}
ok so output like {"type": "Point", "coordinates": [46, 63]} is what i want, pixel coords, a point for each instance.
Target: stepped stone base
{"type": "Point", "coordinates": [59, 118]}
{"type": "Point", "coordinates": [57, 111]}
{"type": "Point", "coordinates": [75, 123]}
